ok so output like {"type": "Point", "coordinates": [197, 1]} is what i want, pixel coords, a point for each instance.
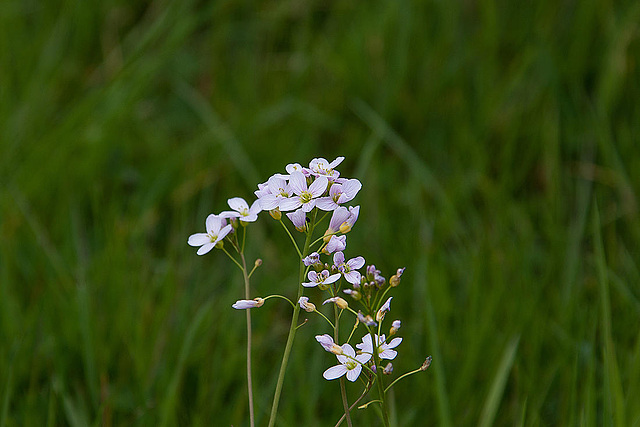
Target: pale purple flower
{"type": "Point", "coordinates": [299, 219]}
{"type": "Point", "coordinates": [296, 167]}
{"type": "Point", "coordinates": [339, 194]}
{"type": "Point", "coordinates": [350, 364]}
{"type": "Point", "coordinates": [336, 243]}
{"type": "Point", "coordinates": [241, 210]}
{"type": "Point", "coordinates": [339, 216]}
{"type": "Point", "coordinates": [311, 259]}
{"type": "Point", "coordinates": [349, 268]}
{"type": "Point", "coordinates": [278, 190]}
{"type": "Point", "coordinates": [216, 231]}
{"type": "Point", "coordinates": [321, 167]}
{"type": "Point", "coordinates": [322, 278]}
{"type": "Point", "coordinates": [263, 190]}
{"type": "Point", "coordinates": [305, 196]}
{"type": "Point", "coordinates": [248, 303]}
{"type": "Point", "coordinates": [385, 350]}
{"type": "Point", "coordinates": [354, 212]}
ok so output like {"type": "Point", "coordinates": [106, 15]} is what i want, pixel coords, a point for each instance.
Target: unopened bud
{"type": "Point", "coordinates": [395, 279]}
{"type": "Point", "coordinates": [258, 262]}
{"type": "Point", "coordinates": [275, 214]}
{"type": "Point", "coordinates": [367, 320]}
{"type": "Point", "coordinates": [354, 294]}
{"type": "Point", "coordinates": [426, 364]}
{"type": "Point", "coordinates": [341, 303]}
{"type": "Point", "coordinates": [394, 327]}
{"type": "Point", "coordinates": [388, 369]}
{"type": "Point", "coordinates": [345, 228]}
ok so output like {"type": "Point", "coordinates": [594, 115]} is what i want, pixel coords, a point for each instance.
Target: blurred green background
{"type": "Point", "coordinates": [497, 144]}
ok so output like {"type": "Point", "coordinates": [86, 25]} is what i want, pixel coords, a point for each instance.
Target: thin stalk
{"type": "Point", "coordinates": [292, 333]}
{"type": "Point", "coordinates": [249, 375]}
{"type": "Point", "coordinates": [343, 390]}
{"type": "Point", "coordinates": [381, 391]}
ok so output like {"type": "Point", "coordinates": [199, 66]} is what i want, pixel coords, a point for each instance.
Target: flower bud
{"type": "Point", "coordinates": [395, 279]}
{"type": "Point", "coordinates": [354, 294]}
{"type": "Point", "coordinates": [275, 214]}
{"type": "Point", "coordinates": [367, 320]}
{"type": "Point", "coordinates": [426, 364]}
{"type": "Point", "coordinates": [259, 301]}
{"type": "Point", "coordinates": [306, 305]}
{"type": "Point", "coordinates": [394, 327]}
{"type": "Point", "coordinates": [345, 227]}
{"type": "Point", "coordinates": [341, 303]}
{"type": "Point", "coordinates": [258, 262]}
{"type": "Point", "coordinates": [388, 369]}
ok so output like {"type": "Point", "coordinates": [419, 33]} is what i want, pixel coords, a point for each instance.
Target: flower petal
{"type": "Point", "coordinates": [298, 182]}
{"type": "Point", "coordinates": [318, 186]}
{"type": "Point", "coordinates": [214, 223]}
{"type": "Point", "coordinates": [334, 372]}
{"type": "Point", "coordinates": [394, 342]}
{"type": "Point", "coordinates": [198, 239]}
{"type": "Point", "coordinates": [205, 248]}
{"type": "Point", "coordinates": [354, 373]}
{"type": "Point", "coordinates": [238, 204]}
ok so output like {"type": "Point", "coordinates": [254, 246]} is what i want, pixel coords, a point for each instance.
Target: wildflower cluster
{"type": "Point", "coordinates": [308, 196]}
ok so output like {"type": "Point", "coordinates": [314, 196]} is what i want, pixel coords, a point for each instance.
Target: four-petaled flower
{"type": "Point", "coordinates": [339, 194]}
{"type": "Point", "coordinates": [348, 268]}
{"type": "Point", "coordinates": [322, 278]}
{"type": "Point", "coordinates": [305, 196]}
{"type": "Point", "coordinates": [216, 231]}
{"type": "Point", "coordinates": [241, 210]}
{"type": "Point", "coordinates": [350, 364]}
{"type": "Point", "coordinates": [384, 349]}
{"type": "Point", "coordinates": [321, 167]}
{"type": "Point", "coordinates": [336, 243]}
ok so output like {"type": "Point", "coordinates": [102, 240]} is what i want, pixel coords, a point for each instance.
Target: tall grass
{"type": "Point", "coordinates": [497, 144]}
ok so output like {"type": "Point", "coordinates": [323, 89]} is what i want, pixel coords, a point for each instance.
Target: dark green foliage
{"type": "Point", "coordinates": [497, 143]}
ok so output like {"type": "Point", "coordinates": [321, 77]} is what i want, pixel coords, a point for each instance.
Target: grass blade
{"type": "Point", "coordinates": [499, 381]}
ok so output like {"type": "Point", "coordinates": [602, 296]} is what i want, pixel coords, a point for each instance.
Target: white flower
{"type": "Point", "coordinates": [339, 194]}
{"type": "Point", "coordinates": [216, 231]}
{"type": "Point", "coordinates": [276, 191]}
{"type": "Point", "coordinates": [384, 350]}
{"type": "Point", "coordinates": [241, 210]}
{"type": "Point", "coordinates": [322, 278]}
{"type": "Point", "coordinates": [305, 196]}
{"type": "Point", "coordinates": [350, 364]}
{"type": "Point", "coordinates": [321, 167]}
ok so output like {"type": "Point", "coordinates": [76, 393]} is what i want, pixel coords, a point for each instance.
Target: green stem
{"type": "Point", "coordinates": [381, 391]}
{"type": "Point", "coordinates": [343, 390]}
{"type": "Point", "coordinates": [295, 245]}
{"type": "Point", "coordinates": [292, 333]}
{"type": "Point", "coordinates": [249, 376]}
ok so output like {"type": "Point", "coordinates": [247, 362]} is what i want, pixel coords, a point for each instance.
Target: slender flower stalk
{"type": "Point", "coordinates": [343, 390]}
{"type": "Point", "coordinates": [381, 390]}
{"type": "Point", "coordinates": [292, 331]}
{"type": "Point", "coordinates": [249, 375]}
